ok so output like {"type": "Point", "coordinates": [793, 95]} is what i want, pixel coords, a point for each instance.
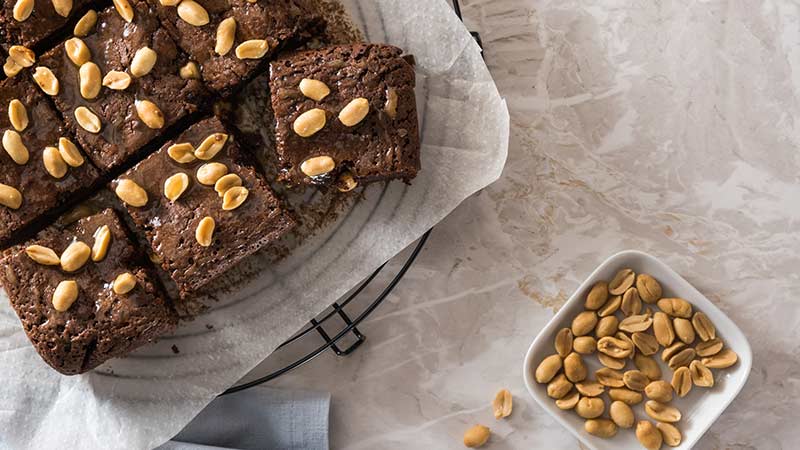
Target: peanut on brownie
{"type": "Point", "coordinates": [345, 115]}
{"type": "Point", "coordinates": [83, 294]}
{"type": "Point", "coordinates": [202, 205]}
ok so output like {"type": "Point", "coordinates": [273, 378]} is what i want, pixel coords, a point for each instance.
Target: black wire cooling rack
{"type": "Point", "coordinates": [350, 312]}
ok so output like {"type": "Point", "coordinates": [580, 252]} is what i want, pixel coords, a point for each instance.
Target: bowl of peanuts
{"type": "Point", "coordinates": [637, 358]}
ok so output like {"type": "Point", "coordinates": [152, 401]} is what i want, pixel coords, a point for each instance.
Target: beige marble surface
{"type": "Point", "coordinates": [664, 126]}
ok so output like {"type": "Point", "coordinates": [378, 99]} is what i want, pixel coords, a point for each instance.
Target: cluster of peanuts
{"type": "Point", "coordinates": [690, 345]}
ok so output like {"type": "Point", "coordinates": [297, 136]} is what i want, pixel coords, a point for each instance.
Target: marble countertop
{"type": "Point", "coordinates": [664, 126]}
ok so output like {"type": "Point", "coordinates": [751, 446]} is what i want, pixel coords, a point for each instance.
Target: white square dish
{"type": "Point", "coordinates": [700, 408]}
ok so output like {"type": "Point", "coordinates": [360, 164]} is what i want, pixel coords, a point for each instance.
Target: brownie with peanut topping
{"type": "Point", "coordinates": [345, 115]}
{"type": "Point", "coordinates": [106, 307]}
{"type": "Point", "coordinates": [30, 22]}
{"type": "Point", "coordinates": [34, 132]}
{"type": "Point", "coordinates": [200, 27]}
{"type": "Point", "coordinates": [200, 175]}
{"type": "Point", "coordinates": [142, 94]}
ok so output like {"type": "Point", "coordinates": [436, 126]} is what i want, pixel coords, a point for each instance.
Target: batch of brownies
{"type": "Point", "coordinates": [120, 96]}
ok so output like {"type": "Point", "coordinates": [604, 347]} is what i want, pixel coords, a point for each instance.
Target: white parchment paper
{"type": "Point", "coordinates": [144, 399]}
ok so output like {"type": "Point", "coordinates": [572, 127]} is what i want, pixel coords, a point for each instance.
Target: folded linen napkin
{"type": "Point", "coordinates": [259, 418]}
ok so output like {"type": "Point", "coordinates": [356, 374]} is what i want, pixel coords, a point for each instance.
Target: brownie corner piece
{"type": "Point", "coordinates": [29, 27]}
{"type": "Point", "coordinates": [106, 306]}
{"type": "Point", "coordinates": [268, 26]}
{"type": "Point", "coordinates": [32, 132]}
{"type": "Point", "coordinates": [345, 115]}
{"type": "Point", "coordinates": [115, 120]}
{"type": "Point", "coordinates": [202, 205]}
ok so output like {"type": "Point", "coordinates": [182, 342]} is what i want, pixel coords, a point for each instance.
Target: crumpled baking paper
{"type": "Point", "coordinates": [143, 400]}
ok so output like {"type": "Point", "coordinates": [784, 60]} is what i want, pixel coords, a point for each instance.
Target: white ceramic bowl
{"type": "Point", "coordinates": [700, 408]}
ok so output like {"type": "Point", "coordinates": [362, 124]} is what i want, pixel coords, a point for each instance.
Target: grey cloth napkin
{"type": "Point", "coordinates": [259, 418]}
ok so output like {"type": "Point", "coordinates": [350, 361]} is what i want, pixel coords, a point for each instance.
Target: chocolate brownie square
{"type": "Point", "coordinates": [345, 114]}
{"type": "Point", "coordinates": [142, 95]}
{"type": "Point", "coordinates": [280, 23]}
{"type": "Point", "coordinates": [203, 228]}
{"type": "Point", "coordinates": [32, 131]}
{"type": "Point", "coordinates": [117, 306]}
{"type": "Point", "coordinates": [29, 22]}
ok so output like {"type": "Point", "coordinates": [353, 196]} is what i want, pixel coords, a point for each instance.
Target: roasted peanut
{"type": "Point", "coordinates": [662, 328]}
{"type": "Point", "coordinates": [503, 404]}
{"type": "Point", "coordinates": [150, 114]}
{"type": "Point", "coordinates": [584, 345]}
{"type": "Point", "coordinates": [701, 375]}
{"type": "Point", "coordinates": [75, 256]}
{"type": "Point", "coordinates": [611, 306]}
{"type": "Point", "coordinates": [476, 436]}
{"type": "Point", "coordinates": [626, 396]}
{"type": "Point", "coordinates": [559, 386]}
{"type": "Point", "coordinates": [681, 381]}
{"type": "Point", "coordinates": [17, 115]}
{"type": "Point", "coordinates": [85, 24]}
{"type": "Point", "coordinates": [124, 283]}
{"type": "Point", "coordinates": [252, 49]}
{"type": "Point", "coordinates": [210, 146]}
{"type": "Point", "coordinates": [659, 390]}
{"type": "Point", "coordinates": [603, 428]}
{"type": "Point", "coordinates": [547, 369]}
{"type": "Point", "coordinates": [676, 307]}
{"type": "Point", "coordinates": [682, 358]}
{"type": "Point", "coordinates": [314, 89]}
{"type": "Point", "coordinates": [16, 149]}
{"type": "Point", "coordinates": [88, 120]}
{"type": "Point", "coordinates": [610, 362]}
{"type": "Point", "coordinates": [597, 296]}
{"type": "Point", "coordinates": [647, 366]}
{"type": "Point", "coordinates": [65, 294]}
{"type": "Point", "coordinates": [574, 368]}
{"type": "Point", "coordinates": [232, 180]}
{"type": "Point", "coordinates": [355, 111]}
{"type": "Point", "coordinates": [703, 326]}
{"type": "Point", "coordinates": [649, 289]}
{"type": "Point", "coordinates": [709, 348]}
{"type": "Point", "coordinates": [143, 61]}
{"type": "Point", "coordinates": [209, 173]}
{"type": "Point", "coordinates": [563, 342]}
{"type": "Point", "coordinates": [192, 13]}
{"type": "Point", "coordinates": [234, 198]}
{"type": "Point", "coordinates": [646, 343]}
{"type": "Point", "coordinates": [607, 326]}
{"type": "Point", "coordinates": [182, 152]}
{"type": "Point", "coordinates": [590, 388]}
{"type": "Point", "coordinates": [613, 347]}
{"type": "Point", "coordinates": [42, 255]}
{"type": "Point", "coordinates": [131, 193]}
{"type": "Point", "coordinates": [54, 164]}
{"type": "Point", "coordinates": [672, 350]}
{"type": "Point", "coordinates": [648, 435]}
{"type": "Point", "coordinates": [102, 241]}
{"type": "Point", "coordinates": [631, 303]}
{"type": "Point", "coordinates": [635, 380]}
{"type": "Point", "coordinates": [621, 414]}
{"type": "Point", "coordinates": [670, 434]}
{"type": "Point", "coordinates": [684, 330]}
{"type": "Point", "coordinates": [205, 231]}
{"type": "Point", "coordinates": [568, 401]}
{"type": "Point", "coordinates": [226, 33]}
{"type": "Point", "coordinates": [69, 152]}
{"type": "Point", "coordinates": [722, 360]}
{"type": "Point", "coordinates": [77, 51]}
{"type": "Point", "coordinates": [590, 407]}
{"type": "Point", "coordinates": [175, 186]}
{"type": "Point", "coordinates": [584, 323]}
{"type": "Point", "coordinates": [622, 281]}
{"type": "Point", "coordinates": [636, 323]}
{"type": "Point", "coordinates": [10, 197]}
{"type": "Point", "coordinates": [609, 377]}
{"type": "Point", "coordinates": [310, 122]}
{"type": "Point", "coordinates": [662, 412]}
{"type": "Point", "coordinates": [124, 9]}
{"type": "Point", "coordinates": [317, 166]}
